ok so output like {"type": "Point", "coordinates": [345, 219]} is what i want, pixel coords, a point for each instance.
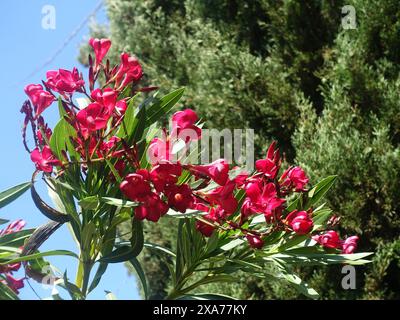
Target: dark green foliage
{"type": "Point", "coordinates": [357, 138]}
{"type": "Point", "coordinates": [287, 69]}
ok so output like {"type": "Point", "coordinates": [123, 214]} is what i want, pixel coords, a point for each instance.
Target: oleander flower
{"type": "Point", "coordinates": [64, 81]}
{"type": "Point", "coordinates": [100, 47]}
{"type": "Point", "coordinates": [44, 160]}
{"type": "Point", "coordinates": [300, 222]}
{"type": "Point", "coordinates": [41, 99]}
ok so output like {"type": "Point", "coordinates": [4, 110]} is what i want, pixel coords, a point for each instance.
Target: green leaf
{"type": "Point", "coordinates": [121, 254]}
{"type": "Point", "coordinates": [97, 277]}
{"type": "Point", "coordinates": [13, 193]}
{"type": "Point", "coordinates": [125, 252]}
{"type": "Point", "coordinates": [6, 293]}
{"type": "Point", "coordinates": [60, 138]}
{"type": "Point", "coordinates": [89, 203]}
{"type": "Point", "coordinates": [3, 221]}
{"type": "Point", "coordinates": [133, 124]}
{"type": "Point", "coordinates": [139, 271]}
{"type": "Point", "coordinates": [187, 214]}
{"type": "Point", "coordinates": [137, 239]}
{"type": "Point", "coordinates": [298, 283]}
{"type": "Point", "coordinates": [71, 288]}
{"type": "Point", "coordinates": [114, 171]}
{"type": "Point", "coordinates": [108, 245]}
{"type": "Point", "coordinates": [159, 249]}
{"type": "Point", "coordinates": [42, 254]}
{"type": "Point", "coordinates": [120, 203]}
{"type": "Point", "coordinates": [206, 296]}
{"type": "Point", "coordinates": [319, 191]}
{"type": "Point", "coordinates": [16, 239]}
{"type": "Point", "coordinates": [320, 217]}
{"type": "Point", "coordinates": [162, 106]}
{"type": "Point", "coordinates": [210, 279]}
{"type": "Point", "coordinates": [292, 240]}
{"type": "Point", "coordinates": [232, 244]}
{"type": "Point", "coordinates": [44, 208]}
{"type": "Point", "coordinates": [319, 258]}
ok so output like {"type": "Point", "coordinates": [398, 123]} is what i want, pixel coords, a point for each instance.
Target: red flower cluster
{"type": "Point", "coordinates": [6, 271]}
{"type": "Point", "coordinates": [229, 201]}
{"type": "Point", "coordinates": [331, 239]}
{"type": "Point", "coordinates": [148, 188]}
{"type": "Point", "coordinates": [104, 107]}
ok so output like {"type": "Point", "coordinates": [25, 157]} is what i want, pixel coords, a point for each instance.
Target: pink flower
{"type": "Point", "coordinates": [13, 227]}
{"type": "Point", "coordinates": [100, 47]}
{"type": "Point", "coordinates": [294, 178]}
{"type": "Point", "coordinates": [105, 147]}
{"type": "Point", "coordinates": [128, 71]}
{"type": "Point", "coordinates": [217, 170]}
{"type": "Point", "coordinates": [152, 209]}
{"type": "Point", "coordinates": [183, 124]}
{"type": "Point", "coordinates": [165, 173]}
{"type": "Point", "coordinates": [64, 81]}
{"type": "Point", "coordinates": [44, 160]}
{"type": "Point", "coordinates": [205, 229]}
{"type": "Point", "coordinates": [271, 164]}
{"type": "Point", "coordinates": [223, 196]}
{"type": "Point", "coordinates": [330, 239]}
{"type": "Point", "coordinates": [179, 197]}
{"type": "Point", "coordinates": [121, 106]}
{"type": "Point", "coordinates": [8, 269]}
{"type": "Point", "coordinates": [254, 241]}
{"type": "Point", "coordinates": [94, 117]}
{"type": "Point", "coordinates": [349, 245]}
{"type": "Point", "coordinates": [300, 222]}
{"type": "Point", "coordinates": [41, 99]}
{"type": "Point", "coordinates": [240, 179]}
{"type": "Point", "coordinates": [262, 199]}
{"type": "Point", "coordinates": [106, 97]}
{"type": "Point", "coordinates": [136, 186]}
{"type": "Point", "coordinates": [14, 284]}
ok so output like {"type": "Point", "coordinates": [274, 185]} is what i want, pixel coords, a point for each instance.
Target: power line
{"type": "Point", "coordinates": [66, 41]}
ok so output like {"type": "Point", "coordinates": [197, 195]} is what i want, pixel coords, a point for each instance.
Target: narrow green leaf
{"type": "Point", "coordinates": [3, 221]}
{"type": "Point", "coordinates": [6, 293]}
{"type": "Point", "coordinates": [42, 254]}
{"type": "Point", "coordinates": [139, 271]}
{"type": "Point", "coordinates": [9, 195]}
{"type": "Point", "coordinates": [120, 203]}
{"type": "Point", "coordinates": [60, 137]}
{"type": "Point", "coordinates": [160, 249]}
{"type": "Point", "coordinates": [206, 296]}
{"type": "Point", "coordinates": [137, 239]}
{"type": "Point", "coordinates": [16, 239]}
{"type": "Point", "coordinates": [298, 283]}
{"type": "Point", "coordinates": [162, 106]}
{"type": "Point", "coordinates": [121, 254]}
{"type": "Point", "coordinates": [89, 203]}
{"type": "Point", "coordinates": [319, 191]}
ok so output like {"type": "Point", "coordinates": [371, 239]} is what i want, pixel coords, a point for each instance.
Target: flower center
{"type": "Point", "coordinates": [178, 197]}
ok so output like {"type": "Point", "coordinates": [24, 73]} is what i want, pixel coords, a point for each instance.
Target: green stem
{"type": "Point", "coordinates": [87, 267]}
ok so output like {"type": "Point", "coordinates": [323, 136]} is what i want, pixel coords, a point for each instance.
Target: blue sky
{"type": "Point", "coordinates": [25, 46]}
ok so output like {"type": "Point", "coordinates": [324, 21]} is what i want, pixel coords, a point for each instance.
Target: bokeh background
{"type": "Point", "coordinates": [294, 71]}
